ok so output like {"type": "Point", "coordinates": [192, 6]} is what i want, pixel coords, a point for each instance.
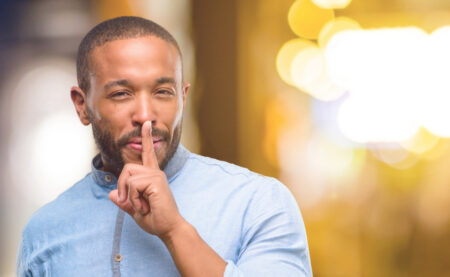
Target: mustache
{"type": "Point", "coordinates": [123, 140]}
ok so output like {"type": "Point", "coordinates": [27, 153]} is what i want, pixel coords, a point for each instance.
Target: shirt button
{"type": "Point", "coordinates": [108, 178]}
{"type": "Point", "coordinates": [118, 257]}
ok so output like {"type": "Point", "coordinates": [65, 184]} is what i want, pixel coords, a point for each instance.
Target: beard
{"type": "Point", "coordinates": [111, 150]}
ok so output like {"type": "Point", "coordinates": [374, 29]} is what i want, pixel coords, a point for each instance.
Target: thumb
{"type": "Point", "coordinates": [125, 205]}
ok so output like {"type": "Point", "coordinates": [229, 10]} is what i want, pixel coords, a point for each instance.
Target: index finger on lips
{"type": "Point", "coordinates": [148, 153]}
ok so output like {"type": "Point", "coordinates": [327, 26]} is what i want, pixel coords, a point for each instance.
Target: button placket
{"type": "Point", "coordinates": [118, 257]}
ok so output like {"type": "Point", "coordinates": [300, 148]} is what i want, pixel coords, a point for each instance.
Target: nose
{"type": "Point", "coordinates": [143, 109]}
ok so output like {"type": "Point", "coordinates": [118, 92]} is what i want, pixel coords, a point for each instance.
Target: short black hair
{"type": "Point", "coordinates": [114, 29]}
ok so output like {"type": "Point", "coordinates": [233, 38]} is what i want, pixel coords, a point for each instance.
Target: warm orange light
{"type": "Point", "coordinates": [335, 26]}
{"type": "Point", "coordinates": [332, 4]}
{"type": "Point", "coordinates": [309, 74]}
{"type": "Point", "coordinates": [307, 67]}
{"type": "Point", "coordinates": [287, 54]}
{"type": "Point", "coordinates": [422, 142]}
{"type": "Point", "coordinates": [306, 19]}
{"type": "Point", "coordinates": [395, 156]}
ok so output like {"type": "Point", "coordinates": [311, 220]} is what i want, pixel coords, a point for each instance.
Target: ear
{"type": "Point", "coordinates": [79, 99]}
{"type": "Point", "coordinates": [186, 87]}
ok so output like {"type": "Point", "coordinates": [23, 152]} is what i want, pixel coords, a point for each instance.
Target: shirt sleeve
{"type": "Point", "coordinates": [274, 241]}
{"type": "Point", "coordinates": [21, 268]}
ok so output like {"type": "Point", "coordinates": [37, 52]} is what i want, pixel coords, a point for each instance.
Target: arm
{"type": "Point", "coordinates": [274, 239]}
{"type": "Point", "coordinates": [192, 256]}
{"type": "Point", "coordinates": [144, 193]}
{"type": "Point", "coordinates": [21, 264]}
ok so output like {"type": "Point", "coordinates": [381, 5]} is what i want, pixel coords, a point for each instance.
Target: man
{"type": "Point", "coordinates": [150, 207]}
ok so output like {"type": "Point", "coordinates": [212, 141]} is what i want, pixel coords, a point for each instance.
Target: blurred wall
{"type": "Point", "coordinates": [216, 94]}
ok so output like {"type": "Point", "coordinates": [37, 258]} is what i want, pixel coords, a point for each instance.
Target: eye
{"type": "Point", "coordinates": [119, 94]}
{"type": "Point", "coordinates": [165, 92]}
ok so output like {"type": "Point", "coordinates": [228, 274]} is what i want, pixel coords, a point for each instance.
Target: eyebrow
{"type": "Point", "coordinates": [165, 80]}
{"type": "Point", "coordinates": [121, 82]}
{"type": "Point", "coordinates": [126, 83]}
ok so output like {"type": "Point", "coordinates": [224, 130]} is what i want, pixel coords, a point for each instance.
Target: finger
{"type": "Point", "coordinates": [145, 179]}
{"type": "Point", "coordinates": [122, 184]}
{"type": "Point", "coordinates": [126, 206]}
{"type": "Point", "coordinates": [137, 186]}
{"type": "Point", "coordinates": [148, 153]}
{"type": "Point", "coordinates": [133, 198]}
{"type": "Point", "coordinates": [128, 171]}
{"type": "Point", "coordinates": [145, 206]}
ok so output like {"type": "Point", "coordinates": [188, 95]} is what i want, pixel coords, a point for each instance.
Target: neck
{"type": "Point", "coordinates": [115, 169]}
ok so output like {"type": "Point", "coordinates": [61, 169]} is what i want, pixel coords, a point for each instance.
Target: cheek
{"type": "Point", "coordinates": [97, 116]}
{"type": "Point", "coordinates": [176, 116]}
{"type": "Point", "coordinates": [113, 119]}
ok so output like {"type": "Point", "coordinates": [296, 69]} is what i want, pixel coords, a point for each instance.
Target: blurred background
{"type": "Point", "coordinates": [346, 102]}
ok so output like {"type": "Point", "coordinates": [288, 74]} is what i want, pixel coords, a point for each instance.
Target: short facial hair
{"type": "Point", "coordinates": [110, 150]}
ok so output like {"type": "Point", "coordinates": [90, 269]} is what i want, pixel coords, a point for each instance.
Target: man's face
{"type": "Point", "coordinates": [133, 81]}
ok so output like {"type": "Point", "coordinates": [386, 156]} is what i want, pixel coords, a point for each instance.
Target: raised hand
{"type": "Point", "coordinates": [144, 193]}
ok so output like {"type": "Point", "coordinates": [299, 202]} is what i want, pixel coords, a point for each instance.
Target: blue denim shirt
{"type": "Point", "coordinates": [251, 221]}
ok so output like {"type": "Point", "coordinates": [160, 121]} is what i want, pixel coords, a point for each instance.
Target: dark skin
{"type": "Point", "coordinates": [138, 83]}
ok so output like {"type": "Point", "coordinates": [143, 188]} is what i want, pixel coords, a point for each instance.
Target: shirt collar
{"type": "Point", "coordinates": [108, 179]}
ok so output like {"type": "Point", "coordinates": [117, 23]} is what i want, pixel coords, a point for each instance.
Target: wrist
{"type": "Point", "coordinates": [181, 230]}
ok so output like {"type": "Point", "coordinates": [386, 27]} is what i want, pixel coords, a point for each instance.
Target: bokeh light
{"type": "Point", "coordinates": [286, 56]}
{"type": "Point", "coordinates": [335, 26]}
{"type": "Point", "coordinates": [435, 99]}
{"type": "Point", "coordinates": [422, 142]}
{"type": "Point", "coordinates": [383, 73]}
{"type": "Point", "coordinates": [309, 74]}
{"type": "Point", "coordinates": [324, 89]}
{"type": "Point", "coordinates": [332, 4]}
{"type": "Point", "coordinates": [394, 155]}
{"type": "Point", "coordinates": [46, 131]}
{"type": "Point", "coordinates": [371, 119]}
{"type": "Point", "coordinates": [378, 84]}
{"type": "Point", "coordinates": [395, 79]}
{"type": "Point", "coordinates": [306, 19]}
{"type": "Point", "coordinates": [307, 67]}
{"type": "Point", "coordinates": [319, 161]}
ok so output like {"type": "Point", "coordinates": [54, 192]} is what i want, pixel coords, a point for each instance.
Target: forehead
{"type": "Point", "coordinates": [148, 55]}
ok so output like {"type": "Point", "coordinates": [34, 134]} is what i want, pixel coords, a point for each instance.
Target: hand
{"type": "Point", "coordinates": [146, 196]}
{"type": "Point", "coordinates": [144, 193]}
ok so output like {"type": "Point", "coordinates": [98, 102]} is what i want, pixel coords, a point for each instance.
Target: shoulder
{"type": "Point", "coordinates": [45, 221]}
{"type": "Point", "coordinates": [48, 215]}
{"type": "Point", "coordinates": [217, 166]}
{"type": "Point", "coordinates": [260, 192]}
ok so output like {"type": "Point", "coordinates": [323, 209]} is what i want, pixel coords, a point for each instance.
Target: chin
{"type": "Point", "coordinates": [131, 157]}
{"type": "Point", "coordinates": [136, 157]}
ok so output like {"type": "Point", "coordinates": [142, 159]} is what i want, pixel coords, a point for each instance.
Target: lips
{"type": "Point", "coordinates": [136, 143]}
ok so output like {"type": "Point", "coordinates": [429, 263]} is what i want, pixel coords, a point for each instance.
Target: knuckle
{"type": "Point", "coordinates": [151, 190]}
{"type": "Point", "coordinates": [159, 173]}
{"type": "Point", "coordinates": [128, 167]}
{"type": "Point", "coordinates": [161, 177]}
